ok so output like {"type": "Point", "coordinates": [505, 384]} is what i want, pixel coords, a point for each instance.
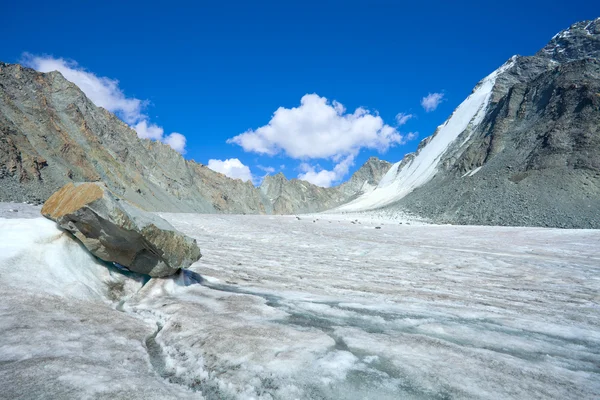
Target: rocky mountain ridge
{"type": "Point", "coordinates": [297, 196]}
{"type": "Point", "coordinates": [522, 149]}
{"type": "Point", "coordinates": [52, 134]}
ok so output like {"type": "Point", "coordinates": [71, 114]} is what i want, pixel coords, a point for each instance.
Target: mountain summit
{"type": "Point", "coordinates": [522, 149]}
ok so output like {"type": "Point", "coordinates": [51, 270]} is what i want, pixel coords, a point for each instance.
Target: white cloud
{"type": "Point", "coordinates": [322, 178]}
{"type": "Point", "coordinates": [268, 170]}
{"type": "Point", "coordinates": [412, 135]}
{"type": "Point", "coordinates": [176, 141]}
{"type": "Point", "coordinates": [232, 168]}
{"type": "Point", "coordinates": [105, 92]}
{"type": "Point", "coordinates": [432, 101]}
{"type": "Point", "coordinates": [148, 131]}
{"type": "Point", "coordinates": [325, 178]}
{"type": "Point", "coordinates": [402, 118]}
{"type": "Point", "coordinates": [319, 129]}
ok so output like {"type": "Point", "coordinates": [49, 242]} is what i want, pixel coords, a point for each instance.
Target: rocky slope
{"type": "Point", "coordinates": [52, 134]}
{"type": "Point", "coordinates": [523, 149]}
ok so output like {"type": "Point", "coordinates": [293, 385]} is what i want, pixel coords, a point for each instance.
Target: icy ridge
{"type": "Point", "coordinates": [401, 180]}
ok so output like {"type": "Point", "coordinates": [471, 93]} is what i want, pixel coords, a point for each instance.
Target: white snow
{"type": "Point", "coordinates": [476, 170]}
{"type": "Point", "coordinates": [60, 335]}
{"type": "Point", "coordinates": [399, 182]}
{"type": "Point", "coordinates": [68, 271]}
{"type": "Point", "coordinates": [296, 309]}
{"type": "Point", "coordinates": [471, 172]}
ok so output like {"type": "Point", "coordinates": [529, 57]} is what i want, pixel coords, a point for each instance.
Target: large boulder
{"type": "Point", "coordinates": [116, 231]}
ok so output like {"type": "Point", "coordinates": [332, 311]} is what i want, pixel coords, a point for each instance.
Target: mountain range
{"type": "Point", "coordinates": [52, 134]}
{"type": "Point", "coordinates": [522, 149]}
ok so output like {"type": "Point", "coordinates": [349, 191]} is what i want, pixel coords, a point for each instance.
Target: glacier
{"type": "Point", "coordinates": [321, 307]}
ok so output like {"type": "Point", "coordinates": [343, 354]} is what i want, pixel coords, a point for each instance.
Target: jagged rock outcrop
{"type": "Point", "coordinates": [52, 134]}
{"type": "Point", "coordinates": [523, 149]}
{"type": "Point", "coordinates": [116, 231]}
{"type": "Point", "coordinates": [296, 196]}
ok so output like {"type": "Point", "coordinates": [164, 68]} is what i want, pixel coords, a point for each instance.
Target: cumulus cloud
{"type": "Point", "coordinates": [149, 131]}
{"type": "Point", "coordinates": [323, 177]}
{"type": "Point", "coordinates": [232, 168]}
{"type": "Point", "coordinates": [319, 129]}
{"type": "Point", "coordinates": [176, 141]}
{"type": "Point", "coordinates": [402, 118]}
{"type": "Point", "coordinates": [105, 92]}
{"type": "Point", "coordinates": [432, 101]}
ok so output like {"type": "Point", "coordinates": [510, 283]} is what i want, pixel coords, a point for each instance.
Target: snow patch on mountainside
{"type": "Point", "coordinates": [399, 182]}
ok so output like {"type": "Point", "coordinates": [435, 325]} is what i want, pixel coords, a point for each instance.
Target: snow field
{"type": "Point", "coordinates": [281, 308]}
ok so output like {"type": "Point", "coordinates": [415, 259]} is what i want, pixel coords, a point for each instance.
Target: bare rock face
{"type": "Point", "coordinates": [116, 231]}
{"type": "Point", "coordinates": [52, 134]}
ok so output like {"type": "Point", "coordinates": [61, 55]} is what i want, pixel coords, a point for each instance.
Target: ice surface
{"type": "Point", "coordinates": [60, 335]}
{"type": "Point", "coordinates": [11, 210]}
{"type": "Point", "coordinates": [281, 308]}
{"type": "Point", "coordinates": [398, 182]}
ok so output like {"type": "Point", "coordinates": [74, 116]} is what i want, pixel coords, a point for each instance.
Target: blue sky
{"type": "Point", "coordinates": [212, 72]}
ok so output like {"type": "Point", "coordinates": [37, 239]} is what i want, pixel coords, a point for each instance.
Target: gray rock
{"type": "Point", "coordinates": [295, 196]}
{"type": "Point", "coordinates": [365, 179]}
{"type": "Point", "coordinates": [116, 231]}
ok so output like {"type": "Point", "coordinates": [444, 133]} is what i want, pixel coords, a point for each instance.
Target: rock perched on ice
{"type": "Point", "coordinates": [116, 231]}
